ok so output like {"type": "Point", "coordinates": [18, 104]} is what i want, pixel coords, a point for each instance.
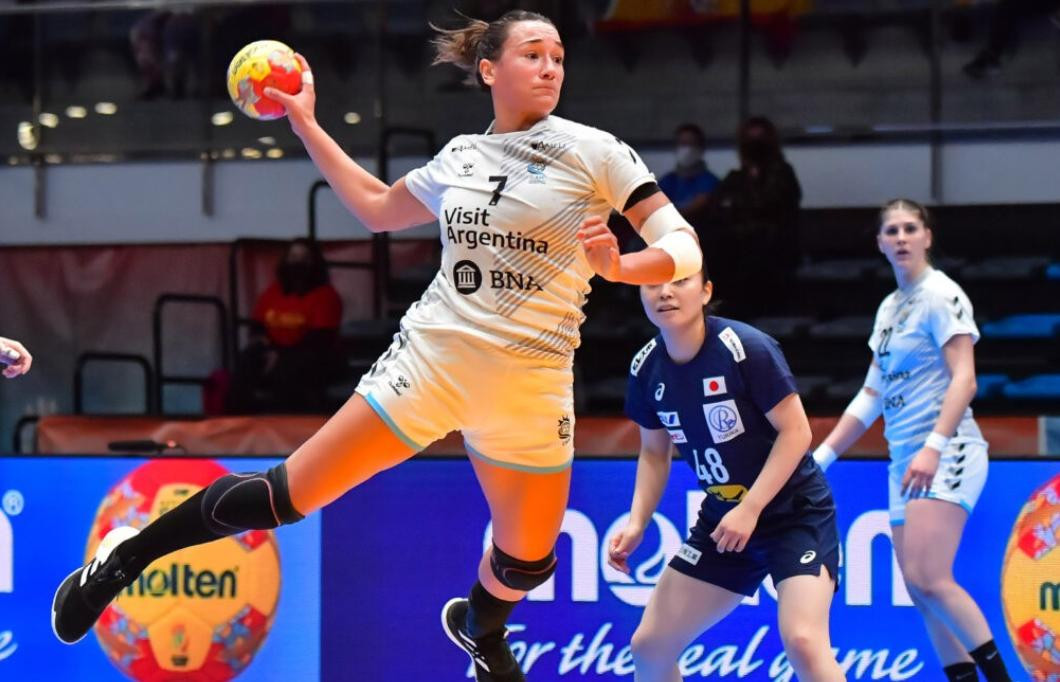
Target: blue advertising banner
{"type": "Point", "coordinates": [205, 615]}
{"type": "Point", "coordinates": [398, 547]}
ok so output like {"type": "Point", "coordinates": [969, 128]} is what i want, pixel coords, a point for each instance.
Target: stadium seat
{"type": "Point", "coordinates": [1009, 267]}
{"type": "Point", "coordinates": [990, 385]}
{"type": "Point", "coordinates": [849, 327]}
{"type": "Point", "coordinates": [844, 270]}
{"type": "Point", "coordinates": [810, 385]}
{"type": "Point", "coordinates": [1039, 387]}
{"type": "Point", "coordinates": [782, 327]}
{"type": "Point", "coordinates": [1028, 326]}
{"type": "Point", "coordinates": [846, 389]}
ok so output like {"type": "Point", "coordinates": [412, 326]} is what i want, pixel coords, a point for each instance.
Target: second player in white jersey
{"type": "Point", "coordinates": [922, 379]}
{"type": "Point", "coordinates": [912, 325]}
{"type": "Point", "coordinates": [509, 205]}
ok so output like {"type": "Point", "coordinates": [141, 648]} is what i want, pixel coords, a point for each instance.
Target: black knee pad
{"type": "Point", "coordinates": [238, 502]}
{"type": "Point", "coordinates": [521, 575]}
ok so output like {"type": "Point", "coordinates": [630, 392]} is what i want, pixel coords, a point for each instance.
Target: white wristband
{"type": "Point", "coordinates": [824, 455]}
{"type": "Point", "coordinates": [936, 441]}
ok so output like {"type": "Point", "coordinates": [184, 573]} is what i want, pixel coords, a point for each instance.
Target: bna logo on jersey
{"type": "Point", "coordinates": [467, 278]}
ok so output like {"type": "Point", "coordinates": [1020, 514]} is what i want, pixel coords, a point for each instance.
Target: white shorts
{"type": "Point", "coordinates": [960, 477]}
{"type": "Point", "coordinates": [513, 412]}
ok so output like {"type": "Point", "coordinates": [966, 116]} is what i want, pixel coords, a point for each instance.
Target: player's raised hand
{"type": "Point", "coordinates": [622, 544]}
{"type": "Point", "coordinates": [14, 358]}
{"type": "Point", "coordinates": [301, 107]}
{"type": "Point", "coordinates": [601, 248]}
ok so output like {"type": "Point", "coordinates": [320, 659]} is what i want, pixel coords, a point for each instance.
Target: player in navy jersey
{"type": "Point", "coordinates": [722, 393]}
{"type": "Point", "coordinates": [487, 350]}
{"type": "Point", "coordinates": [922, 380]}
{"type": "Point", "coordinates": [14, 358]}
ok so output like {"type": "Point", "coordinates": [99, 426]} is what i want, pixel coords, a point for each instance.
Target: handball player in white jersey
{"type": "Point", "coordinates": [488, 348]}
{"type": "Point", "coordinates": [922, 380]}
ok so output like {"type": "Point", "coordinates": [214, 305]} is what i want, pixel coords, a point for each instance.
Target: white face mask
{"type": "Point", "coordinates": [687, 155]}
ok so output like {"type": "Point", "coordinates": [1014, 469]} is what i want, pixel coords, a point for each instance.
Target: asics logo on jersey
{"type": "Point", "coordinates": [467, 170]}
{"type": "Point", "coordinates": [659, 391]}
{"type": "Point", "coordinates": [809, 556]}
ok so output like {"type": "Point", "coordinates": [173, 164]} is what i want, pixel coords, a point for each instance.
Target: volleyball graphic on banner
{"type": "Point", "coordinates": [1030, 583]}
{"type": "Point", "coordinates": [199, 614]}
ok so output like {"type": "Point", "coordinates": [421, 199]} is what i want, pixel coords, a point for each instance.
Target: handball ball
{"type": "Point", "coordinates": [1030, 583]}
{"type": "Point", "coordinates": [263, 64]}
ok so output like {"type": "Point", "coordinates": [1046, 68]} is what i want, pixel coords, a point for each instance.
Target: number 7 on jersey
{"type": "Point", "coordinates": [501, 181]}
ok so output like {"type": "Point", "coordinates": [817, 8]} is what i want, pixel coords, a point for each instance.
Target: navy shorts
{"type": "Point", "coordinates": [797, 537]}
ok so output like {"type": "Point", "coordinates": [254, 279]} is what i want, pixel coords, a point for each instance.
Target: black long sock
{"type": "Point", "coordinates": [486, 614]}
{"type": "Point", "coordinates": [961, 672]}
{"type": "Point", "coordinates": [180, 527]}
{"type": "Point", "coordinates": [989, 661]}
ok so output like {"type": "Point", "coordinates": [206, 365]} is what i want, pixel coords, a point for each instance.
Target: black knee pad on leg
{"type": "Point", "coordinates": [521, 575]}
{"type": "Point", "coordinates": [238, 502]}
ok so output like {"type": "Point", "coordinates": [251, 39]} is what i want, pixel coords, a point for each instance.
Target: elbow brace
{"type": "Point", "coordinates": [864, 407]}
{"type": "Point", "coordinates": [667, 230]}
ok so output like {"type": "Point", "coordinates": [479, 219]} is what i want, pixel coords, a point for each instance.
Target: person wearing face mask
{"type": "Point", "coordinates": [721, 392]}
{"type": "Point", "coordinates": [753, 217]}
{"type": "Point", "coordinates": [690, 183]}
{"type": "Point", "coordinates": [295, 324]}
{"type": "Point", "coordinates": [922, 380]}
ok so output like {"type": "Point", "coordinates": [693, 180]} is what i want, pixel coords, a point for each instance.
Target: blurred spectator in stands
{"type": "Point", "coordinates": [752, 218]}
{"type": "Point", "coordinates": [292, 353]}
{"type": "Point", "coordinates": [1004, 23]}
{"type": "Point", "coordinates": [16, 42]}
{"type": "Point", "coordinates": [690, 183]}
{"type": "Point", "coordinates": [163, 45]}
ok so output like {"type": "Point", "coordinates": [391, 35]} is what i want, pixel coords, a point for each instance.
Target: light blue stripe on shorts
{"type": "Point", "coordinates": [374, 404]}
{"type": "Point", "coordinates": [516, 467]}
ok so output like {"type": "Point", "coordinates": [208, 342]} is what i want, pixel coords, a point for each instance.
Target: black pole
{"type": "Point", "coordinates": [935, 104]}
{"type": "Point", "coordinates": [744, 104]}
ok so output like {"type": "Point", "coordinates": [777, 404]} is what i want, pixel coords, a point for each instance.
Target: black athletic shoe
{"type": "Point", "coordinates": [492, 657]}
{"type": "Point", "coordinates": [85, 594]}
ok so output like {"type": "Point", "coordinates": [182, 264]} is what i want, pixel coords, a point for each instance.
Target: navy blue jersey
{"type": "Point", "coordinates": [714, 407]}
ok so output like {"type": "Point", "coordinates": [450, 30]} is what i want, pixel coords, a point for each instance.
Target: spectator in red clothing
{"type": "Point", "coordinates": [291, 356]}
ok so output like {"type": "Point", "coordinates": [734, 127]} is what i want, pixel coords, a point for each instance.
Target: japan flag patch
{"type": "Point", "coordinates": [714, 386]}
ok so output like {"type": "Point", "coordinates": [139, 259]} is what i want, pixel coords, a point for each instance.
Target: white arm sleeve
{"type": "Point", "coordinates": [864, 407]}
{"type": "Point", "coordinates": [667, 230]}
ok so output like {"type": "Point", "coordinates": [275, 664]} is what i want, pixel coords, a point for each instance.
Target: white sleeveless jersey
{"type": "Point", "coordinates": [509, 206]}
{"type": "Point", "coordinates": [911, 328]}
